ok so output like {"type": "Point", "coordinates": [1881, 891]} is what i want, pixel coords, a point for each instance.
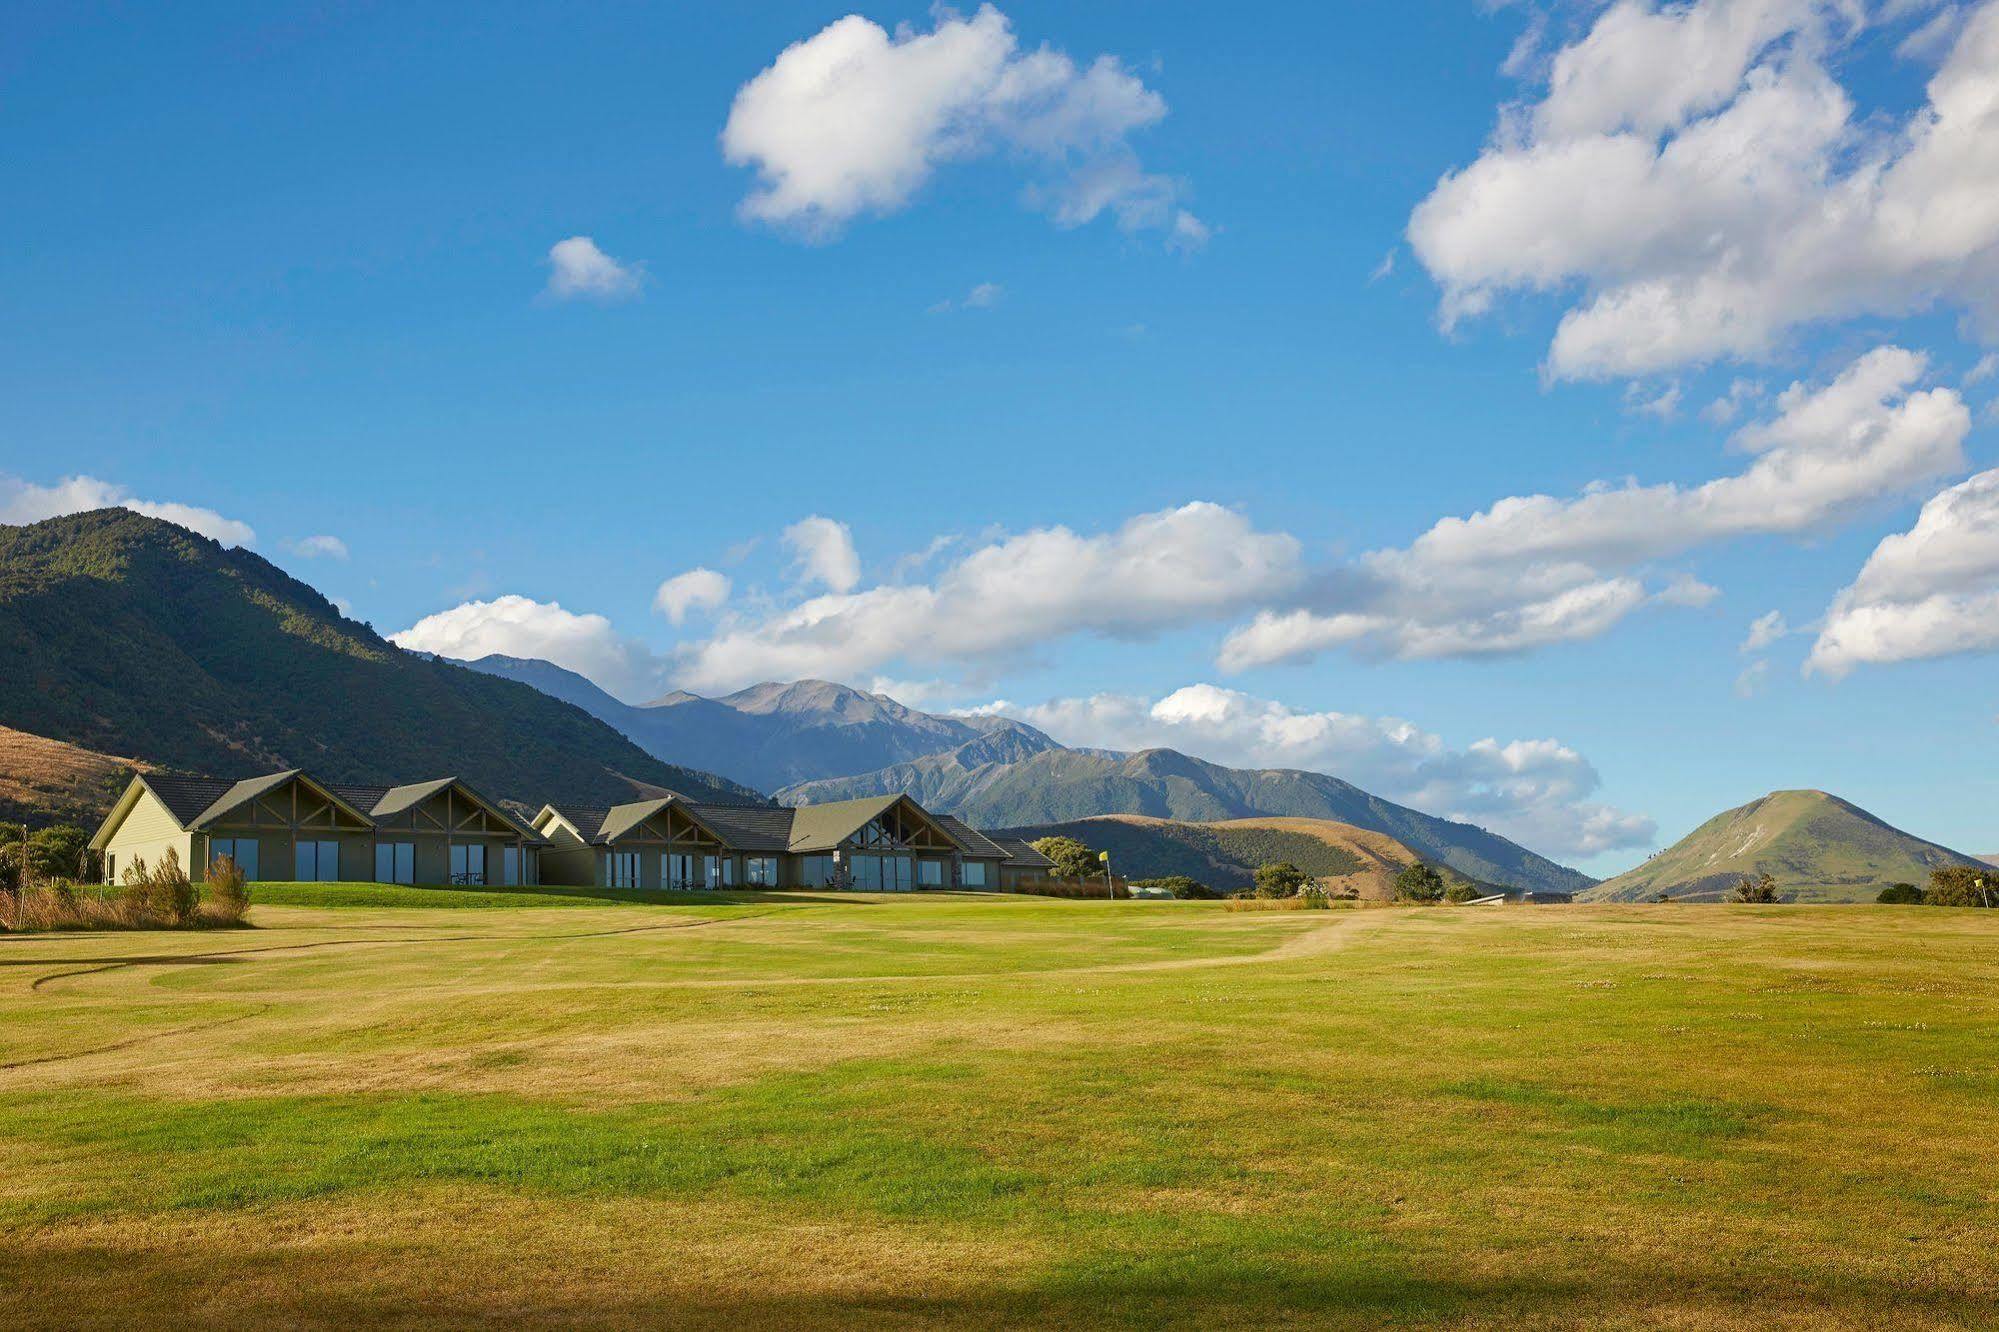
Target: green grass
{"type": "Point", "coordinates": [811, 1110]}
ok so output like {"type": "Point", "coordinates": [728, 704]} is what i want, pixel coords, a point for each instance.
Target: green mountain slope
{"type": "Point", "coordinates": [992, 784]}
{"type": "Point", "coordinates": [127, 635]}
{"type": "Point", "coordinates": [1818, 847]}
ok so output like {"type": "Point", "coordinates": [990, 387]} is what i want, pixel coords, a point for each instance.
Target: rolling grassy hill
{"type": "Point", "coordinates": [1225, 854]}
{"type": "Point", "coordinates": [127, 635]}
{"type": "Point", "coordinates": [1011, 789]}
{"type": "Point", "coordinates": [1818, 847]}
{"type": "Point", "coordinates": [44, 780]}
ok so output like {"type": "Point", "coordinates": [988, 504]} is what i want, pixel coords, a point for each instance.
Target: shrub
{"type": "Point", "coordinates": [1461, 892]}
{"type": "Point", "coordinates": [1419, 883]}
{"type": "Point", "coordinates": [1963, 886]}
{"type": "Point", "coordinates": [1279, 879]}
{"type": "Point", "coordinates": [228, 893]}
{"type": "Point", "coordinates": [1755, 888]}
{"type": "Point", "coordinates": [1900, 894]}
{"type": "Point", "coordinates": [162, 894]}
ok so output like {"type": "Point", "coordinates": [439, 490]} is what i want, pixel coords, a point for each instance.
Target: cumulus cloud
{"type": "Point", "coordinates": [23, 501]}
{"type": "Point", "coordinates": [1701, 183]}
{"type": "Point", "coordinates": [1534, 791]}
{"type": "Point", "coordinates": [695, 590]}
{"type": "Point", "coordinates": [1158, 570]}
{"type": "Point", "coordinates": [320, 548]}
{"type": "Point", "coordinates": [856, 120]}
{"type": "Point", "coordinates": [517, 626]}
{"type": "Point", "coordinates": [1765, 630]}
{"type": "Point", "coordinates": [577, 269]}
{"type": "Point", "coordinates": [823, 552]}
{"type": "Point", "coordinates": [1932, 591]}
{"type": "Point", "coordinates": [1536, 569]}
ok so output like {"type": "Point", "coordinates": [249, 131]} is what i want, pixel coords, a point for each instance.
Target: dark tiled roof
{"type": "Point", "coordinates": [587, 819]}
{"type": "Point", "coordinates": [976, 844]}
{"type": "Point", "coordinates": [186, 797]}
{"type": "Point", "coordinates": [760, 828]}
{"type": "Point", "coordinates": [363, 798]}
{"type": "Point", "coordinates": [1021, 855]}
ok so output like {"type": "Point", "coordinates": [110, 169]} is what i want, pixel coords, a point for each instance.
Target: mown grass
{"type": "Point", "coordinates": [997, 1112]}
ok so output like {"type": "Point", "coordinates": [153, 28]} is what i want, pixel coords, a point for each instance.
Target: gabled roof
{"type": "Point", "coordinates": [759, 828]}
{"type": "Point", "coordinates": [383, 802]}
{"type": "Point", "coordinates": [599, 825]}
{"type": "Point", "coordinates": [184, 797]}
{"type": "Point", "coordinates": [823, 827]}
{"type": "Point", "coordinates": [243, 792]}
{"type": "Point", "coordinates": [975, 843]}
{"type": "Point", "coordinates": [1020, 854]}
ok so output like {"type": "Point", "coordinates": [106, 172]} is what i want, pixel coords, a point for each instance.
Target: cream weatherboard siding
{"type": "Point", "coordinates": [147, 832]}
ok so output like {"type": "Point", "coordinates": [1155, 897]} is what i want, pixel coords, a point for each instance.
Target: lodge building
{"type": "Point", "coordinates": [288, 825]}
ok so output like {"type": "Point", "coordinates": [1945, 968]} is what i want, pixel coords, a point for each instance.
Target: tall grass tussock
{"type": "Point", "coordinates": [151, 897]}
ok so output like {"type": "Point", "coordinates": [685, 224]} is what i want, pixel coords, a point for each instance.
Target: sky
{"type": "Point", "coordinates": [1573, 418]}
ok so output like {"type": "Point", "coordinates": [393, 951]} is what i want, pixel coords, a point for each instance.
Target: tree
{"type": "Point", "coordinates": [59, 851]}
{"type": "Point", "coordinates": [1963, 886]}
{"type": "Point", "coordinates": [1071, 858]}
{"type": "Point", "coordinates": [1755, 888]}
{"type": "Point", "coordinates": [1419, 883]}
{"type": "Point", "coordinates": [1279, 878]}
{"type": "Point", "coordinates": [1900, 894]}
{"type": "Point", "coordinates": [1460, 892]}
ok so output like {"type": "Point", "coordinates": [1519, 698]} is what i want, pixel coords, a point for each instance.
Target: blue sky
{"type": "Point", "coordinates": [296, 269]}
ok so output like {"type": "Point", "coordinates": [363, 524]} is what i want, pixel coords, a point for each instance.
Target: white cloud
{"type": "Point", "coordinates": [517, 626]}
{"type": "Point", "coordinates": [856, 120]}
{"type": "Point", "coordinates": [1741, 392]}
{"type": "Point", "coordinates": [25, 502]}
{"type": "Point", "coordinates": [1534, 791]}
{"type": "Point", "coordinates": [1702, 185]}
{"type": "Point", "coordinates": [577, 269]}
{"type": "Point", "coordinates": [1988, 366]}
{"type": "Point", "coordinates": [1765, 630]}
{"type": "Point", "coordinates": [320, 548]}
{"type": "Point", "coordinates": [1662, 404]}
{"type": "Point", "coordinates": [695, 590]}
{"type": "Point", "coordinates": [981, 297]}
{"type": "Point", "coordinates": [1929, 592]}
{"type": "Point", "coordinates": [823, 551]}
{"type": "Point", "coordinates": [1752, 680]}
{"type": "Point", "coordinates": [1159, 570]}
{"type": "Point", "coordinates": [1533, 570]}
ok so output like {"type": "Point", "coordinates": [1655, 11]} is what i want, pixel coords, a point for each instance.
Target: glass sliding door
{"type": "Point", "coordinates": [468, 863]}
{"type": "Point", "coordinates": [395, 862]}
{"type": "Point", "coordinates": [316, 862]}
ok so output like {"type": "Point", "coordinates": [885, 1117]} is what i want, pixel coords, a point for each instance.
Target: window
{"type": "Point", "coordinates": [975, 874]}
{"type": "Point", "coordinates": [718, 871]}
{"type": "Point", "coordinates": [110, 867]}
{"type": "Point", "coordinates": [621, 869]}
{"type": "Point", "coordinates": [468, 863]}
{"type": "Point", "coordinates": [315, 862]}
{"type": "Point", "coordinates": [242, 850]}
{"type": "Point", "coordinates": [510, 867]}
{"type": "Point", "coordinates": [816, 871]}
{"type": "Point", "coordinates": [882, 874]}
{"type": "Point", "coordinates": [679, 870]}
{"type": "Point", "coordinates": [395, 862]}
{"type": "Point", "coordinates": [760, 871]}
{"type": "Point", "coordinates": [929, 874]}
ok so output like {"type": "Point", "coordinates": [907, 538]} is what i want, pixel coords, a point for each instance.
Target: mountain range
{"type": "Point", "coordinates": [830, 742]}
{"type": "Point", "coordinates": [129, 636]}
{"type": "Point", "coordinates": [1816, 846]}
